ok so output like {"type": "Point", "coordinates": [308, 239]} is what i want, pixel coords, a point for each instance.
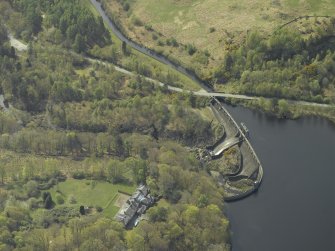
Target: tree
{"type": "Point", "coordinates": [139, 169]}
{"type": "Point", "coordinates": [143, 153]}
{"type": "Point", "coordinates": [157, 214]}
{"type": "Point", "coordinates": [203, 200]}
{"type": "Point", "coordinates": [72, 142]}
{"type": "Point", "coordinates": [82, 210]}
{"type": "Point", "coordinates": [135, 241]}
{"type": "Point", "coordinates": [2, 173]}
{"type": "Point", "coordinates": [47, 199]}
{"type": "Point", "coordinates": [114, 172]}
{"type": "Point", "coordinates": [124, 48]}
{"type": "Point", "coordinates": [3, 34]}
{"type": "Point", "coordinates": [79, 44]}
{"type": "Point", "coordinates": [283, 108]}
{"type": "Point", "coordinates": [38, 240]}
{"type": "Point", "coordinates": [35, 20]}
{"type": "Point", "coordinates": [119, 146]}
{"type": "Point", "coordinates": [32, 189]}
{"type": "Point", "coordinates": [93, 245]}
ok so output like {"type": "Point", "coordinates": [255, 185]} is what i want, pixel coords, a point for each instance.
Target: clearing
{"type": "Point", "coordinates": [92, 193]}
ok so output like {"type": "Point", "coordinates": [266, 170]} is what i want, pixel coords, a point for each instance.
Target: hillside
{"type": "Point", "coordinates": [211, 25]}
{"type": "Point", "coordinates": [77, 136]}
{"type": "Point", "coordinates": [276, 50]}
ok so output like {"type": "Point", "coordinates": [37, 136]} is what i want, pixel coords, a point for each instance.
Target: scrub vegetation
{"type": "Point", "coordinates": [276, 49]}
{"type": "Point", "coordinates": [74, 133]}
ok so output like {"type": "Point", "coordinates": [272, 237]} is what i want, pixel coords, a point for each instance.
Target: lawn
{"type": "Point", "coordinates": [91, 193]}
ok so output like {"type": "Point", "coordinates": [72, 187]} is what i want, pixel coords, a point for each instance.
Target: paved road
{"type": "Point", "coordinates": [203, 92]}
{"type": "Point", "coordinates": [22, 47]}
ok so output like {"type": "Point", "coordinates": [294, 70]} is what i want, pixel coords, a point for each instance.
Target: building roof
{"type": "Point", "coordinates": [136, 204]}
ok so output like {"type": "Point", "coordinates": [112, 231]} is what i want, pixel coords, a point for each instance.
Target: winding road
{"type": "Point", "coordinates": [205, 90]}
{"type": "Point", "coordinates": [202, 92]}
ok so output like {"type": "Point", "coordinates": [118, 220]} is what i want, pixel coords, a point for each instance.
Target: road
{"type": "Point", "coordinates": [203, 92]}
{"type": "Point", "coordinates": [22, 47]}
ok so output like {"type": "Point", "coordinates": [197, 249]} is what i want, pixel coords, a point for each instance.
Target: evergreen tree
{"type": "Point", "coordinates": [79, 44]}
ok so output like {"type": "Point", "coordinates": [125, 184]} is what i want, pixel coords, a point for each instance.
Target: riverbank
{"type": "Point", "coordinates": [294, 110]}
{"type": "Point", "coordinates": [281, 215]}
{"type": "Point", "coordinates": [250, 173]}
{"type": "Point", "coordinates": [249, 180]}
{"type": "Point", "coordinates": [149, 54]}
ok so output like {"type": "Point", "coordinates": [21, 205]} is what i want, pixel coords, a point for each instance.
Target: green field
{"type": "Point", "coordinates": [185, 81]}
{"type": "Point", "coordinates": [91, 193]}
{"type": "Point", "coordinates": [315, 5]}
{"type": "Point", "coordinates": [190, 21]}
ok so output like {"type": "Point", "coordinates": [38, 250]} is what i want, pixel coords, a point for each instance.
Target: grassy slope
{"type": "Point", "coordinates": [101, 194]}
{"type": "Point", "coordinates": [187, 83]}
{"type": "Point", "coordinates": [190, 20]}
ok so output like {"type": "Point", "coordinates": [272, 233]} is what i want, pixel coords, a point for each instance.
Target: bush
{"type": "Point", "coordinates": [136, 21]}
{"type": "Point", "coordinates": [82, 210]}
{"type": "Point", "coordinates": [211, 30]}
{"type": "Point", "coordinates": [79, 175]}
{"type": "Point", "coordinates": [191, 49]}
{"type": "Point", "coordinates": [99, 209]}
{"type": "Point", "coordinates": [48, 185]}
{"type": "Point", "coordinates": [154, 36]}
{"type": "Point", "coordinates": [160, 43]}
{"type": "Point", "coordinates": [32, 189]}
{"type": "Point", "coordinates": [59, 199]}
{"type": "Point", "coordinates": [148, 27]}
{"type": "Point", "coordinates": [63, 214]}
{"type": "Point", "coordinates": [126, 6]}
{"type": "Point", "coordinates": [33, 203]}
{"type": "Point", "coordinates": [174, 42]}
{"type": "Point", "coordinates": [72, 199]}
{"type": "Point", "coordinates": [48, 203]}
{"type": "Point", "coordinates": [157, 214]}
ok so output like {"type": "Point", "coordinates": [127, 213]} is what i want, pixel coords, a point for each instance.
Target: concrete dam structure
{"type": "Point", "coordinates": [250, 172]}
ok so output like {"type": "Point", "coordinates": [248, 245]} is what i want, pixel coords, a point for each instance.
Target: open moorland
{"type": "Point", "coordinates": [276, 49]}
{"type": "Point", "coordinates": [76, 135]}
{"type": "Point", "coordinates": [210, 25]}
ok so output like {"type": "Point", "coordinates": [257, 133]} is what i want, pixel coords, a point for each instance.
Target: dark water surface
{"type": "Point", "coordinates": [294, 208]}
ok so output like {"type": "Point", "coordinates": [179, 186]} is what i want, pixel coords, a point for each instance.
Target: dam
{"type": "Point", "coordinates": [250, 171]}
{"type": "Point", "coordinates": [247, 178]}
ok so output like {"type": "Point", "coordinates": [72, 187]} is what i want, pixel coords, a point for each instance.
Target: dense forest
{"type": "Point", "coordinates": [286, 65]}
{"type": "Point", "coordinates": [70, 22]}
{"type": "Point", "coordinates": [67, 119]}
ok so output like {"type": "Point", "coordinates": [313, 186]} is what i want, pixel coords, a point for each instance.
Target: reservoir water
{"type": "Point", "coordinates": [294, 208]}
